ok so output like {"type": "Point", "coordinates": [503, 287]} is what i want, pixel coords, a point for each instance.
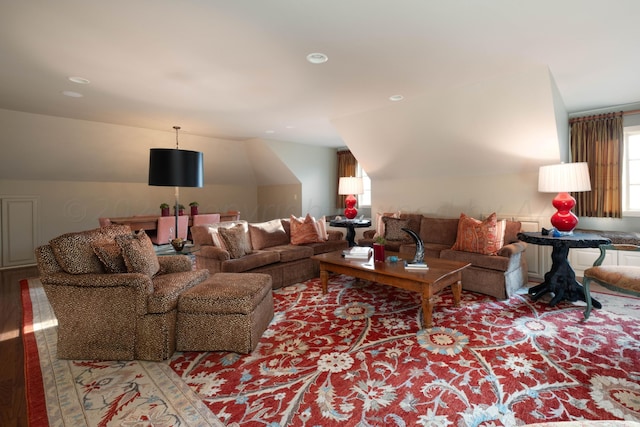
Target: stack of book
{"type": "Point", "coordinates": [415, 266]}
{"type": "Point", "coordinates": [357, 252]}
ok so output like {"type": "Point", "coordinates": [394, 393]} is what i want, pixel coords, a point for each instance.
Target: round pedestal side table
{"type": "Point", "coordinates": [561, 279]}
{"type": "Point", "coordinates": [350, 225]}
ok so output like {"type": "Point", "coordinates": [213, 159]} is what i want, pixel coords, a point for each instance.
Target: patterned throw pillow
{"type": "Point", "coordinates": [111, 257]}
{"type": "Point", "coordinates": [321, 225]}
{"type": "Point", "coordinates": [138, 253]}
{"type": "Point", "coordinates": [304, 230]}
{"type": "Point", "coordinates": [235, 240]}
{"type": "Point", "coordinates": [477, 236]}
{"type": "Point", "coordinates": [393, 228]}
{"type": "Point", "coordinates": [380, 224]}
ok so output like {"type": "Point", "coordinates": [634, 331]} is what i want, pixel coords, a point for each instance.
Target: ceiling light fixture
{"type": "Point", "coordinates": [79, 80]}
{"type": "Point", "coordinates": [396, 98]}
{"type": "Point", "coordinates": [317, 58]}
{"type": "Point", "coordinates": [72, 94]}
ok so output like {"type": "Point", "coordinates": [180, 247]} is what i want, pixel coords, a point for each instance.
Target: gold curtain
{"type": "Point", "coordinates": [598, 141]}
{"type": "Point", "coordinates": [347, 166]}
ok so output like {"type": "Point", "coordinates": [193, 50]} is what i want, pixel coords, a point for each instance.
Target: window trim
{"type": "Point", "coordinates": [626, 212]}
{"type": "Point", "coordinates": [366, 184]}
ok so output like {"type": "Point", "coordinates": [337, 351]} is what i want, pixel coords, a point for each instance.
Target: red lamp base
{"type": "Point", "coordinates": [564, 220]}
{"type": "Point", "coordinates": [350, 211]}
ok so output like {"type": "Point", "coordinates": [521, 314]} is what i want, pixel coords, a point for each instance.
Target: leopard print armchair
{"type": "Point", "coordinates": [114, 299]}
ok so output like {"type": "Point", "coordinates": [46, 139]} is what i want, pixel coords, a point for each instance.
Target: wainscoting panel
{"type": "Point", "coordinates": [19, 231]}
{"type": "Point", "coordinates": [536, 255]}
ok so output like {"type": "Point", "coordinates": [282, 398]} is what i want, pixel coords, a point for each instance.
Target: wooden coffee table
{"type": "Point", "coordinates": [441, 273]}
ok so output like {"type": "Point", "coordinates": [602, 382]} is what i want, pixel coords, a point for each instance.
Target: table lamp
{"type": "Point", "coordinates": [349, 186]}
{"type": "Point", "coordinates": [175, 168]}
{"type": "Point", "coordinates": [562, 179]}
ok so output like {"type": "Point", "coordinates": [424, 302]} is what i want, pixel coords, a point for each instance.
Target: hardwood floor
{"type": "Point", "coordinates": [13, 405]}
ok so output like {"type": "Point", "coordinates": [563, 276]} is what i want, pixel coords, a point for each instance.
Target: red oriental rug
{"type": "Point", "coordinates": [356, 357]}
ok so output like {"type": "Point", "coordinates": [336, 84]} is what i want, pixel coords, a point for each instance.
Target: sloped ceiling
{"type": "Point", "coordinates": [500, 126]}
{"type": "Point", "coordinates": [39, 147]}
{"type": "Point", "coordinates": [233, 69]}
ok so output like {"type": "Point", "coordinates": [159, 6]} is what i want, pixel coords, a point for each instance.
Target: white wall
{"type": "Point", "coordinates": [83, 170]}
{"type": "Point", "coordinates": [475, 149]}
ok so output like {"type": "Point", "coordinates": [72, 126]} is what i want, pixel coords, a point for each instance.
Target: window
{"type": "Point", "coordinates": [364, 199]}
{"type": "Point", "coordinates": [631, 172]}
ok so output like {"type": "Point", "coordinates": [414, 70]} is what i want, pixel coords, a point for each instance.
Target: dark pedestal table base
{"type": "Point", "coordinates": [561, 279]}
{"type": "Point", "coordinates": [350, 225]}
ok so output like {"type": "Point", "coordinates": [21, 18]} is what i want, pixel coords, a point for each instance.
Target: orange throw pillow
{"type": "Point", "coordinates": [304, 230]}
{"type": "Point", "coordinates": [477, 236]}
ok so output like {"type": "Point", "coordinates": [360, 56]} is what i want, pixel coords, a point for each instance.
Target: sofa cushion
{"type": "Point", "coordinates": [321, 226]}
{"type": "Point", "coordinates": [393, 228]}
{"type": "Point", "coordinates": [204, 235]}
{"type": "Point", "coordinates": [379, 224]}
{"type": "Point", "coordinates": [327, 246]}
{"type": "Point", "coordinates": [512, 228]}
{"type": "Point", "coordinates": [168, 287]}
{"type": "Point", "coordinates": [292, 252]}
{"type": "Point", "coordinates": [235, 240]}
{"type": "Point", "coordinates": [414, 222]}
{"type": "Point", "coordinates": [138, 253]}
{"type": "Point", "coordinates": [303, 230]}
{"type": "Point", "coordinates": [111, 257]}
{"type": "Point", "coordinates": [74, 251]}
{"type": "Point", "coordinates": [250, 261]}
{"type": "Point", "coordinates": [477, 236]}
{"type": "Point", "coordinates": [441, 231]}
{"type": "Point", "coordinates": [498, 263]}
{"type": "Point", "coordinates": [268, 234]}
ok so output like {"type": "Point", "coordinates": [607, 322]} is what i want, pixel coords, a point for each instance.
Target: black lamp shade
{"type": "Point", "coordinates": [175, 168]}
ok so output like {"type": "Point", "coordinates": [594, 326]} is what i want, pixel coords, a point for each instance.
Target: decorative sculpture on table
{"type": "Point", "coordinates": [419, 257]}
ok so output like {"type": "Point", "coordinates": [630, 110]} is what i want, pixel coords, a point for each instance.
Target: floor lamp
{"type": "Point", "coordinates": [177, 168]}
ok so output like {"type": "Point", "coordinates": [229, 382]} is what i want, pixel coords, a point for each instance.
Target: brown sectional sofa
{"type": "Point", "coordinates": [268, 251]}
{"type": "Point", "coordinates": [497, 275]}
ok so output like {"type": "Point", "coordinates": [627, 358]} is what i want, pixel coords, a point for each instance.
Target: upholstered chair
{"type": "Point", "coordinates": [205, 219]}
{"type": "Point", "coordinates": [114, 299]}
{"type": "Point", "coordinates": [165, 230]}
{"type": "Point", "coordinates": [620, 278]}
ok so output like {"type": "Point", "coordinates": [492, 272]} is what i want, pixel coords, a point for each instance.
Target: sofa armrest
{"type": "Point", "coordinates": [95, 289]}
{"type": "Point", "coordinates": [512, 248]}
{"type": "Point", "coordinates": [174, 263]}
{"type": "Point", "coordinates": [132, 280]}
{"type": "Point", "coordinates": [213, 252]}
{"type": "Point", "coordinates": [335, 235]}
{"type": "Point", "coordinates": [368, 234]}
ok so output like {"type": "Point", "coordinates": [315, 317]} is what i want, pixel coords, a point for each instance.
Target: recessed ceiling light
{"type": "Point", "coordinates": [317, 58]}
{"type": "Point", "coordinates": [396, 98]}
{"type": "Point", "coordinates": [72, 94]}
{"type": "Point", "coordinates": [79, 80]}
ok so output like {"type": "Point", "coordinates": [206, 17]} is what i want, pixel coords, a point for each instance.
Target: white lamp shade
{"type": "Point", "coordinates": [564, 178]}
{"type": "Point", "coordinates": [350, 185]}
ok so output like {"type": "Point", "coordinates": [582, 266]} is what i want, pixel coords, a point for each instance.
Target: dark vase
{"type": "Point", "coordinates": [180, 211]}
{"type": "Point", "coordinates": [164, 211]}
{"type": "Point", "coordinates": [194, 210]}
{"type": "Point", "coordinates": [378, 252]}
